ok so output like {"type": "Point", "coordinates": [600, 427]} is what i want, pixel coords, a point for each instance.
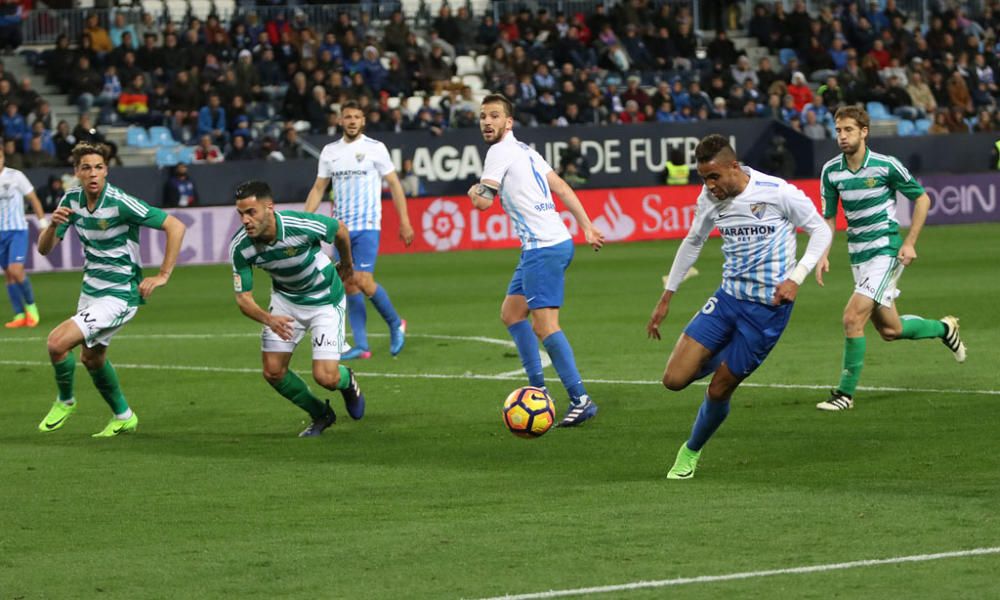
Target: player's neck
{"type": "Point", "coordinates": [351, 140]}
{"type": "Point", "coordinates": [855, 160]}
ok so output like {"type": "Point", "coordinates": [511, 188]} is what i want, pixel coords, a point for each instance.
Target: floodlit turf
{"type": "Point", "coordinates": [429, 497]}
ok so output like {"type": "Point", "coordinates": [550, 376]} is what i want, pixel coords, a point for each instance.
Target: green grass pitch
{"type": "Point", "coordinates": [429, 497]}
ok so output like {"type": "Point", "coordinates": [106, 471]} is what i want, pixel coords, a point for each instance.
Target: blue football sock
{"type": "Point", "coordinates": [527, 347]}
{"type": "Point", "coordinates": [357, 314]}
{"type": "Point", "coordinates": [385, 308]}
{"type": "Point", "coordinates": [710, 416]}
{"type": "Point", "coordinates": [14, 291]}
{"type": "Point", "coordinates": [562, 359]}
{"type": "Point", "coordinates": [27, 292]}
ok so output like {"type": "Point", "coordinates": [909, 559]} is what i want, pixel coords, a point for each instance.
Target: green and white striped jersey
{"type": "Point", "coordinates": [299, 269]}
{"type": "Point", "coordinates": [869, 200]}
{"type": "Point", "coordinates": [110, 238]}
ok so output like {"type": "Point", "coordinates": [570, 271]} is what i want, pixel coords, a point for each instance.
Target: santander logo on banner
{"type": "Point", "coordinates": [613, 222]}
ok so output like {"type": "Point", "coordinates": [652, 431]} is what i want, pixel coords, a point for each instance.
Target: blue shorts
{"type": "Point", "coordinates": [541, 274]}
{"type": "Point", "coordinates": [364, 249]}
{"type": "Point", "coordinates": [13, 247]}
{"type": "Point", "coordinates": [740, 332]}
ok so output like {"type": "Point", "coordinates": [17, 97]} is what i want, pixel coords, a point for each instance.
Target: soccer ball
{"type": "Point", "coordinates": [528, 412]}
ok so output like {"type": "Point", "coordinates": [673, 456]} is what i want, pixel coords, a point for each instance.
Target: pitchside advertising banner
{"type": "Point", "coordinates": [450, 223]}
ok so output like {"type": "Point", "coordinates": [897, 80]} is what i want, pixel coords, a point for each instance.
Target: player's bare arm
{"type": "Point", "coordinates": [279, 324]}
{"type": "Point", "coordinates": [36, 206]}
{"type": "Point", "coordinates": [342, 242]}
{"type": "Point", "coordinates": [483, 193]}
{"type": "Point", "coordinates": [908, 251]}
{"type": "Point", "coordinates": [48, 239]}
{"type": "Point", "coordinates": [174, 229]}
{"type": "Point", "coordinates": [659, 314]}
{"type": "Point", "coordinates": [823, 266]}
{"type": "Point", "coordinates": [562, 189]}
{"type": "Point", "coordinates": [315, 197]}
{"type": "Point", "coordinates": [399, 201]}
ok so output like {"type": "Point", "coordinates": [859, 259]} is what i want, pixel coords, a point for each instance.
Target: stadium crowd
{"type": "Point", "coordinates": [247, 88]}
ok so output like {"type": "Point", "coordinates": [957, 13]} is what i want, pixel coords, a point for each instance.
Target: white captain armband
{"type": "Point", "coordinates": [485, 191]}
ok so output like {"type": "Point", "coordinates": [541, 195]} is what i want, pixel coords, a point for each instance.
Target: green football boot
{"type": "Point", "coordinates": [57, 416]}
{"type": "Point", "coordinates": [686, 463]}
{"type": "Point", "coordinates": [118, 426]}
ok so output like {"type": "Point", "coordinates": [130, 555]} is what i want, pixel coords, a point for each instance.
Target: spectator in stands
{"type": "Point", "coordinates": [43, 113]}
{"type": "Point", "coordinates": [36, 157]}
{"type": "Point", "coordinates": [742, 71]}
{"type": "Point", "coordinates": [133, 103]}
{"type": "Point", "coordinates": [85, 85]}
{"type": "Point", "coordinates": [86, 132]}
{"type": "Point", "coordinates": [212, 120]}
{"type": "Point", "coordinates": [812, 128]}
{"type": "Point", "coordinates": [206, 151]}
{"type": "Point", "coordinates": [985, 123]}
{"type": "Point", "coordinates": [64, 142]}
{"type": "Point", "coordinates": [799, 91]}
{"type": "Point", "coordinates": [39, 131]}
{"type": "Point", "coordinates": [51, 193]}
{"type": "Point", "coordinates": [413, 187]}
{"type": "Point", "coordinates": [119, 28]}
{"type": "Point", "coordinates": [26, 98]}
{"type": "Point", "coordinates": [573, 165]}
{"type": "Point", "coordinates": [13, 158]}
{"type": "Point", "coordinates": [958, 93]}
{"type": "Point", "coordinates": [239, 149]}
{"type": "Point", "coordinates": [179, 190]}
{"type": "Point", "coordinates": [14, 124]}
{"type": "Point", "coordinates": [722, 49]}
{"type": "Point", "coordinates": [920, 95]}
{"type": "Point", "coordinates": [59, 63]}
{"type": "Point", "coordinates": [100, 41]}
{"type": "Point", "coordinates": [11, 13]}
{"type": "Point", "coordinates": [941, 124]}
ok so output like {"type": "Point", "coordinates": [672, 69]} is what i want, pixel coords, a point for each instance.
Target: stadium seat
{"type": "Point", "coordinates": [473, 81]}
{"type": "Point", "coordinates": [166, 157]}
{"type": "Point", "coordinates": [137, 137]}
{"type": "Point", "coordinates": [786, 54]}
{"type": "Point", "coordinates": [185, 154]}
{"type": "Point", "coordinates": [466, 65]}
{"type": "Point", "coordinates": [161, 136]}
{"type": "Point", "coordinates": [905, 127]}
{"type": "Point", "coordinates": [413, 104]}
{"type": "Point", "coordinates": [922, 125]}
{"type": "Point", "coordinates": [481, 62]}
{"type": "Point", "coordinates": [877, 110]}
{"type": "Point", "coordinates": [393, 102]}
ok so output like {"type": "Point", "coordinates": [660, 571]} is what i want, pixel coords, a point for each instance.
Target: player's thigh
{"type": "Point", "coordinates": [271, 341]}
{"type": "Point", "coordinates": [63, 338]}
{"type": "Point", "coordinates": [758, 330]}
{"type": "Point", "coordinates": [513, 309]}
{"type": "Point", "coordinates": [275, 365]}
{"type": "Point", "coordinates": [857, 312]}
{"type": "Point", "coordinates": [685, 361]}
{"type": "Point", "coordinates": [878, 279]}
{"type": "Point", "coordinates": [327, 330]}
{"type": "Point", "coordinates": [101, 318]}
{"type": "Point", "coordinates": [543, 276]}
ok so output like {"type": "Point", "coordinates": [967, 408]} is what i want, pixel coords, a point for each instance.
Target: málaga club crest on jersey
{"type": "Point", "coordinates": [758, 208]}
{"type": "Point", "coordinates": [360, 156]}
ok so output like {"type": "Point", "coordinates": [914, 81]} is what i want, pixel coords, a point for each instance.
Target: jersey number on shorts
{"type": "Point", "coordinates": [709, 307]}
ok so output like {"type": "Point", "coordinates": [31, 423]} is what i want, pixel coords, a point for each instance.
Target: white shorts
{"type": "Point", "coordinates": [326, 323]}
{"type": "Point", "coordinates": [877, 279]}
{"type": "Point", "coordinates": [99, 319]}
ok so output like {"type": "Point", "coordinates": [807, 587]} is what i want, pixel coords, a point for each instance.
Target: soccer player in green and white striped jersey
{"type": "Point", "coordinates": [307, 293]}
{"type": "Point", "coordinates": [107, 221]}
{"type": "Point", "coordinates": [866, 184]}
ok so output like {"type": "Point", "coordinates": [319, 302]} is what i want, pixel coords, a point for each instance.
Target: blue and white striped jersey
{"type": "Point", "coordinates": [758, 236]}
{"type": "Point", "coordinates": [524, 192]}
{"type": "Point", "coordinates": [355, 171]}
{"type": "Point", "coordinates": [14, 186]}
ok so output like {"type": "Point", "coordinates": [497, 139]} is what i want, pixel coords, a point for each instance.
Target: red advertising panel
{"type": "Point", "coordinates": [623, 215]}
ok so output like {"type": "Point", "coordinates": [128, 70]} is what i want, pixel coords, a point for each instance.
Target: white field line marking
{"type": "Point", "coordinates": [508, 377]}
{"type": "Point", "coordinates": [639, 585]}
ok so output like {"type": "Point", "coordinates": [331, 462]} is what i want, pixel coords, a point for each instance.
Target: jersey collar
{"type": "Point", "coordinates": [279, 228]}
{"type": "Point", "coordinates": [100, 199]}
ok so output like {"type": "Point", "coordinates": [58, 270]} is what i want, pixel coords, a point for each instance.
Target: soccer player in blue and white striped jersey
{"type": "Point", "coordinates": [14, 189]}
{"type": "Point", "coordinates": [354, 166]}
{"type": "Point", "coordinates": [739, 325]}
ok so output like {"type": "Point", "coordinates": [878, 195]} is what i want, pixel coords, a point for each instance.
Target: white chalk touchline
{"type": "Point", "coordinates": [640, 585]}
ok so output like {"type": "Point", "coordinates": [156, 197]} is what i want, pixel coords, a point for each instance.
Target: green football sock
{"type": "Point", "coordinates": [918, 328]}
{"type": "Point", "coordinates": [295, 389]}
{"type": "Point", "coordinates": [854, 360]}
{"type": "Point", "coordinates": [106, 382]}
{"type": "Point", "coordinates": [345, 377]}
{"type": "Point", "coordinates": [64, 376]}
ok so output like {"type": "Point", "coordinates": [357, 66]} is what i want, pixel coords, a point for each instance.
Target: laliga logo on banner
{"type": "Point", "coordinates": [614, 223]}
{"type": "Point", "coordinates": [443, 225]}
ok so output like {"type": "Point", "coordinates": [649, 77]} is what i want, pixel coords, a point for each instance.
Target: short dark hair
{"type": "Point", "coordinates": [508, 106]}
{"type": "Point", "coordinates": [87, 148]}
{"type": "Point", "coordinates": [853, 112]}
{"type": "Point", "coordinates": [676, 156]}
{"type": "Point", "coordinates": [351, 104]}
{"type": "Point", "coordinates": [254, 188]}
{"type": "Point", "coordinates": [714, 146]}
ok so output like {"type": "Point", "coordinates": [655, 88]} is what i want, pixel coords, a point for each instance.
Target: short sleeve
{"type": "Point", "coordinates": [383, 162]}
{"type": "Point", "coordinates": [61, 229]}
{"type": "Point", "coordinates": [324, 170]}
{"type": "Point", "coordinates": [829, 195]}
{"type": "Point", "coordinates": [901, 181]}
{"type": "Point", "coordinates": [137, 212]}
{"type": "Point", "coordinates": [797, 207]}
{"type": "Point", "coordinates": [242, 272]}
{"type": "Point", "coordinates": [497, 163]}
{"type": "Point", "coordinates": [24, 186]}
{"type": "Point", "coordinates": [330, 225]}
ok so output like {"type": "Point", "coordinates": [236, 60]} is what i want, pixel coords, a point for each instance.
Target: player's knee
{"type": "Point", "coordinates": [673, 382]}
{"type": "Point", "coordinates": [274, 375]}
{"type": "Point", "coordinates": [92, 363]}
{"type": "Point", "coordinates": [329, 381]}
{"type": "Point", "coordinates": [57, 349]}
{"type": "Point", "coordinates": [853, 322]}
{"type": "Point", "coordinates": [889, 333]}
{"type": "Point", "coordinates": [544, 330]}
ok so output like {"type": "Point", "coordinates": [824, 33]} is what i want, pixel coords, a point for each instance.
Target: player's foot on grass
{"type": "Point", "coordinates": [356, 353]}
{"type": "Point", "coordinates": [354, 400]}
{"type": "Point", "coordinates": [397, 338]}
{"type": "Point", "coordinates": [579, 411]}
{"type": "Point", "coordinates": [838, 401]}
{"type": "Point", "coordinates": [951, 338]}
{"type": "Point", "coordinates": [685, 464]}
{"type": "Point", "coordinates": [31, 316]}
{"type": "Point", "coordinates": [319, 424]}
{"type": "Point", "coordinates": [57, 416]}
{"type": "Point", "coordinates": [19, 320]}
{"type": "Point", "coordinates": [118, 426]}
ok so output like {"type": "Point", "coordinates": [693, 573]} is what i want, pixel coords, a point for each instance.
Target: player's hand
{"type": "Point", "coordinates": [151, 283]}
{"type": "Point", "coordinates": [594, 237]}
{"type": "Point", "coordinates": [823, 266]}
{"type": "Point", "coordinates": [61, 215]}
{"type": "Point", "coordinates": [659, 313]}
{"type": "Point", "coordinates": [907, 254]}
{"type": "Point", "coordinates": [406, 233]}
{"type": "Point", "coordinates": [345, 271]}
{"type": "Point", "coordinates": [785, 292]}
{"type": "Point", "coordinates": [282, 326]}
{"type": "Point", "coordinates": [43, 224]}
